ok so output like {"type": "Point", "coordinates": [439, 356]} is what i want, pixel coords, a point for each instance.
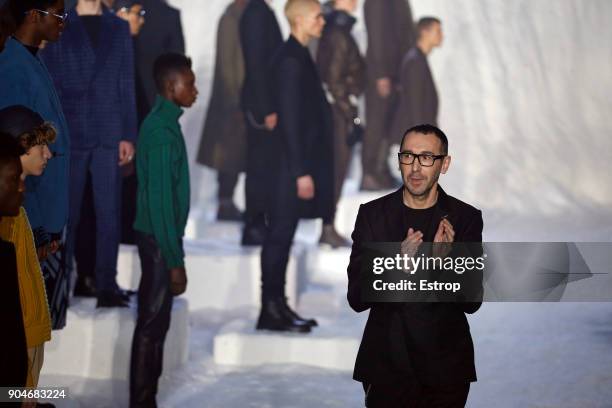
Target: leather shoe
{"type": "Point", "coordinates": [330, 236]}
{"type": "Point", "coordinates": [273, 316]}
{"type": "Point", "coordinates": [228, 211]}
{"type": "Point", "coordinates": [85, 287]}
{"type": "Point", "coordinates": [112, 299]}
{"type": "Point", "coordinates": [291, 314]}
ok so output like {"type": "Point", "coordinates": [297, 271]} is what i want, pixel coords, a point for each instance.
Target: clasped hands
{"type": "Point", "coordinates": [445, 236]}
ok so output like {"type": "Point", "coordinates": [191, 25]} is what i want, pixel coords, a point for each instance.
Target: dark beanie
{"type": "Point", "coordinates": [17, 120]}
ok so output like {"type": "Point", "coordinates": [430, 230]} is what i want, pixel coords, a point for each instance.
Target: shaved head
{"type": "Point", "coordinates": [295, 8]}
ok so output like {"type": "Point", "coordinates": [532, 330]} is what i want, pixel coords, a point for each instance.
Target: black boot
{"type": "Point", "coordinates": [228, 211]}
{"type": "Point", "coordinates": [112, 299]}
{"type": "Point", "coordinates": [85, 287]}
{"type": "Point", "coordinates": [291, 314]}
{"type": "Point", "coordinates": [331, 237]}
{"type": "Point", "coordinates": [273, 316]}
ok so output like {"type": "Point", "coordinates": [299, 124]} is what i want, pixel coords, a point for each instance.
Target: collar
{"type": "Point", "coordinates": [341, 19]}
{"type": "Point", "coordinates": [167, 109]}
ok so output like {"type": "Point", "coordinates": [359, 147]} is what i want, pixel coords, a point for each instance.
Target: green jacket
{"type": "Point", "coordinates": [163, 181]}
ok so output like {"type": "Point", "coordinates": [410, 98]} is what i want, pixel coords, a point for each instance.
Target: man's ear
{"type": "Point", "coordinates": [445, 164]}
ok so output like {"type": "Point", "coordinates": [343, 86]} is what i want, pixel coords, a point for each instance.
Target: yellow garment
{"type": "Point", "coordinates": [34, 305]}
{"type": "Point", "coordinates": [36, 356]}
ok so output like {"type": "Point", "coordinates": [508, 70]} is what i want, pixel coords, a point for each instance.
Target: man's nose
{"type": "Point", "coordinates": [416, 164]}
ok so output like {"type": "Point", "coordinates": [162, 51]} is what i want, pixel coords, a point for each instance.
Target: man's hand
{"type": "Point", "coordinates": [383, 87]}
{"type": "Point", "coordinates": [42, 253]}
{"type": "Point", "coordinates": [54, 246]}
{"type": "Point", "coordinates": [411, 243]}
{"type": "Point", "coordinates": [305, 187]}
{"type": "Point", "coordinates": [445, 236]}
{"type": "Point", "coordinates": [178, 281]}
{"type": "Point", "coordinates": [271, 121]}
{"type": "Point", "coordinates": [126, 152]}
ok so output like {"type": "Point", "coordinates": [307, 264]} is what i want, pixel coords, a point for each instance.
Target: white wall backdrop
{"type": "Point", "coordinates": [526, 99]}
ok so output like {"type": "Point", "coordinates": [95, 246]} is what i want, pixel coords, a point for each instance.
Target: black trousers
{"type": "Point", "coordinates": [259, 147]}
{"type": "Point", "coordinates": [377, 140]}
{"type": "Point", "coordinates": [282, 222]}
{"type": "Point", "coordinates": [154, 311]}
{"type": "Point", "coordinates": [227, 183]}
{"type": "Point", "coordinates": [415, 396]}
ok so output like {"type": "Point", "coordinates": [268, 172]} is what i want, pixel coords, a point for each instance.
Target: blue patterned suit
{"type": "Point", "coordinates": [95, 83]}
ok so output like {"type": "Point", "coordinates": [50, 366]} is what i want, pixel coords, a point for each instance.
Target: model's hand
{"type": "Point", "coordinates": [411, 243]}
{"type": "Point", "coordinates": [126, 152]}
{"type": "Point", "coordinates": [271, 121]}
{"type": "Point", "coordinates": [445, 236]}
{"type": "Point", "coordinates": [42, 253]}
{"type": "Point", "coordinates": [178, 281]}
{"type": "Point", "coordinates": [54, 246]}
{"type": "Point", "coordinates": [383, 87]}
{"type": "Point", "coordinates": [305, 187]}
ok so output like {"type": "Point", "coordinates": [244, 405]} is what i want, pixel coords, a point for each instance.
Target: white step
{"type": "Point", "coordinates": [333, 344]}
{"type": "Point", "coordinates": [222, 274]}
{"type": "Point", "coordinates": [96, 343]}
{"type": "Point", "coordinates": [238, 344]}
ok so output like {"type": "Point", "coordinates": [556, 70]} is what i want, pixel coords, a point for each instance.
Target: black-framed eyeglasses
{"type": "Point", "coordinates": [425, 159]}
{"type": "Point", "coordinates": [61, 17]}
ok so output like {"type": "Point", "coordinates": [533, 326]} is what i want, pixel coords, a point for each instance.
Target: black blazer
{"type": "Point", "coordinates": [161, 33]}
{"type": "Point", "coordinates": [418, 96]}
{"type": "Point", "coordinates": [429, 343]}
{"type": "Point", "coordinates": [261, 37]}
{"type": "Point", "coordinates": [304, 135]}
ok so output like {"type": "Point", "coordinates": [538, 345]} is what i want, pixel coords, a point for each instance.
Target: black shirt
{"type": "Point", "coordinates": [32, 50]}
{"type": "Point", "coordinates": [419, 220]}
{"type": "Point", "coordinates": [92, 26]}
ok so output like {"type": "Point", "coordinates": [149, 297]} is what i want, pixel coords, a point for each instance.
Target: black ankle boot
{"type": "Point", "coordinates": [273, 316]}
{"type": "Point", "coordinates": [228, 211]}
{"type": "Point", "coordinates": [291, 314]}
{"type": "Point", "coordinates": [112, 299]}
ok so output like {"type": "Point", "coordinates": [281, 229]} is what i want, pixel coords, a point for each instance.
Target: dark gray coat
{"type": "Point", "coordinates": [391, 33]}
{"type": "Point", "coordinates": [418, 97]}
{"type": "Point", "coordinates": [223, 144]}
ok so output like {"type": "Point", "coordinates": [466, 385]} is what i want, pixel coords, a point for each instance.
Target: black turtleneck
{"type": "Point", "coordinates": [33, 50]}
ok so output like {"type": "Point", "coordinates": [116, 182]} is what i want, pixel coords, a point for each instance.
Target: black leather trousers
{"type": "Point", "coordinates": [154, 311]}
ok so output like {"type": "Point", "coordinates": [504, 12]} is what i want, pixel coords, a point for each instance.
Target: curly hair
{"type": "Point", "coordinates": [41, 135]}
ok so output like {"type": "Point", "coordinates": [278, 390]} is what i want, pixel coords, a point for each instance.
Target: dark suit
{"type": "Point", "coordinates": [418, 97]}
{"type": "Point", "coordinates": [161, 33]}
{"type": "Point", "coordinates": [390, 35]}
{"type": "Point", "coordinates": [95, 83]}
{"type": "Point", "coordinates": [302, 146]}
{"type": "Point", "coordinates": [410, 344]}
{"type": "Point", "coordinates": [260, 37]}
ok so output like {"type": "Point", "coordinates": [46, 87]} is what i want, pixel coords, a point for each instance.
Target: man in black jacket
{"type": "Point", "coordinates": [390, 35]}
{"type": "Point", "coordinates": [418, 97]}
{"type": "Point", "coordinates": [415, 354]}
{"type": "Point", "coordinates": [300, 172]}
{"type": "Point", "coordinates": [260, 37]}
